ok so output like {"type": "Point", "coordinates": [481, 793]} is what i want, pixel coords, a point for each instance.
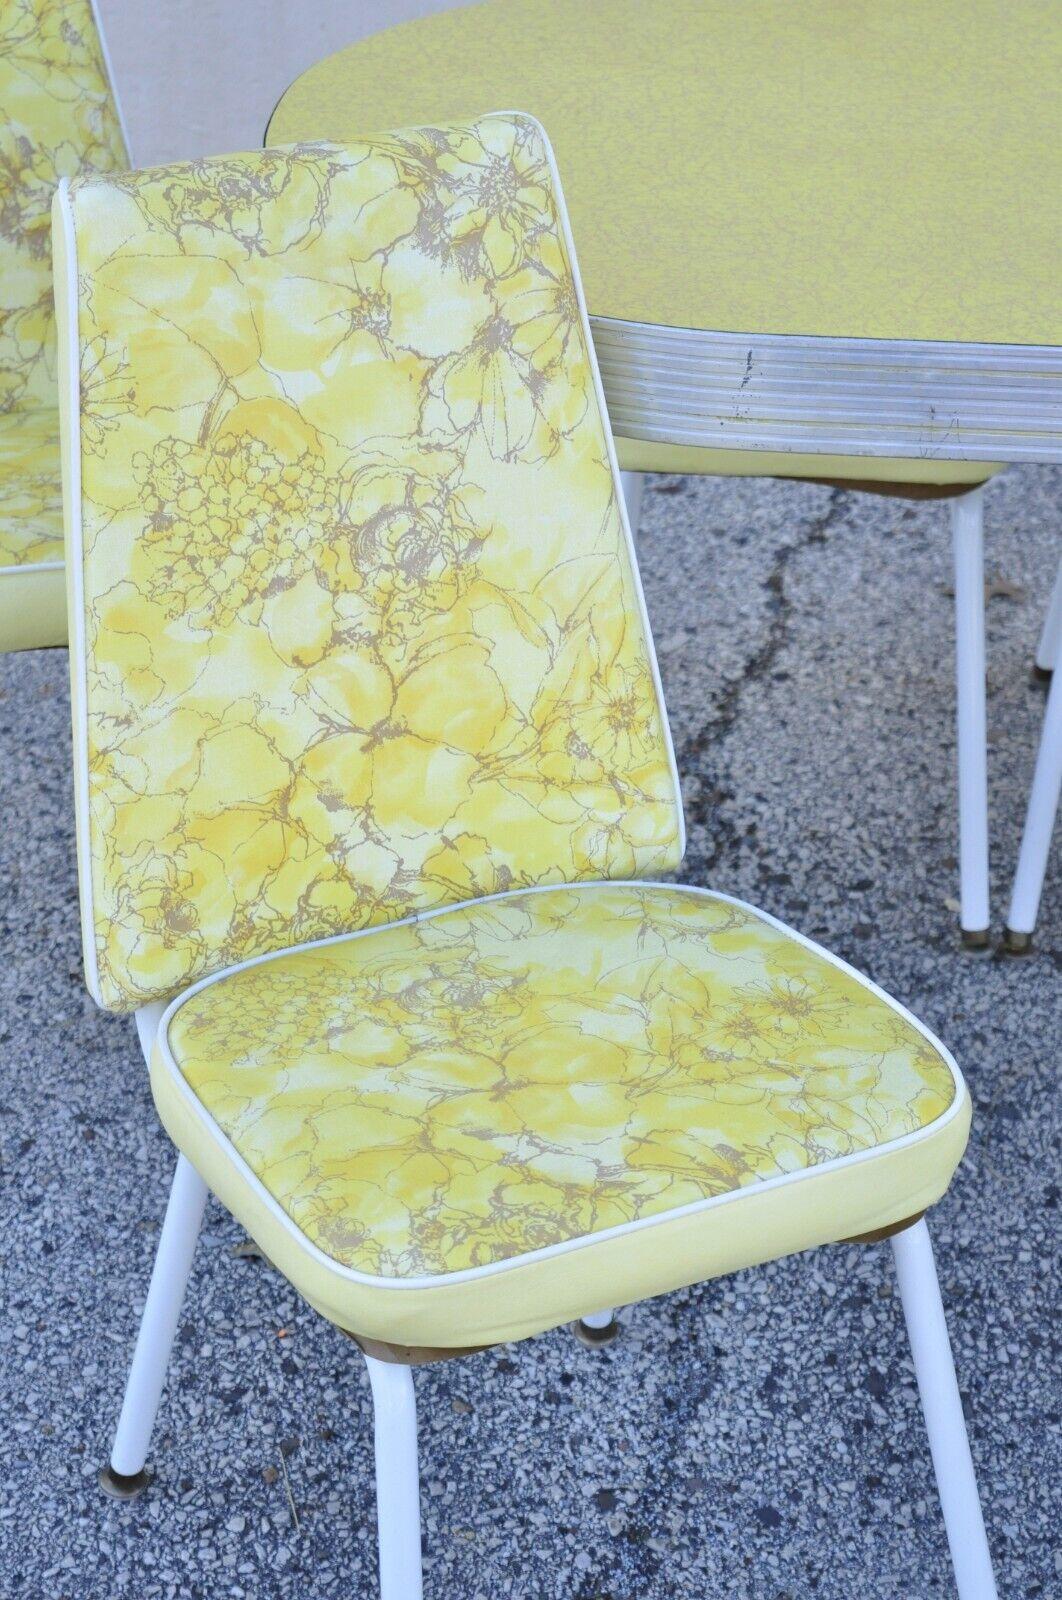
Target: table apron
{"type": "Point", "coordinates": [821, 396]}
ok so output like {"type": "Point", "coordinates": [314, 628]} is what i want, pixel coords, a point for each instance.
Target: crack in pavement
{"type": "Point", "coordinates": [703, 807]}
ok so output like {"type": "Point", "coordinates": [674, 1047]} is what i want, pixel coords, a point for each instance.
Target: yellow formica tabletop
{"type": "Point", "coordinates": [801, 226]}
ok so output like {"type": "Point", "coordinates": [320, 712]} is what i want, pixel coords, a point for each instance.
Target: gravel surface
{"type": "Point", "coordinates": [756, 1438]}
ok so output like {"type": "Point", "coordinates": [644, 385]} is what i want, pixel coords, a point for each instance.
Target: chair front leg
{"type": "Point", "coordinates": [125, 1475]}
{"type": "Point", "coordinates": [397, 1480]}
{"type": "Point", "coordinates": [968, 541]}
{"type": "Point", "coordinates": [939, 1390]}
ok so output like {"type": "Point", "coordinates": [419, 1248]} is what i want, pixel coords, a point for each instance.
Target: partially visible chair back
{"type": "Point", "coordinates": [58, 117]}
{"type": "Point", "coordinates": [355, 625]}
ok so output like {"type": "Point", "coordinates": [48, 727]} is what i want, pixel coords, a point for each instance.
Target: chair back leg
{"type": "Point", "coordinates": [596, 1329]}
{"type": "Point", "coordinates": [968, 544]}
{"type": "Point", "coordinates": [397, 1479]}
{"type": "Point", "coordinates": [939, 1390]}
{"type": "Point", "coordinates": [125, 1475]}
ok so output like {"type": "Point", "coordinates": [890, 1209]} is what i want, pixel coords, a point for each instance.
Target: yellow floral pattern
{"type": "Point", "coordinates": [31, 498]}
{"type": "Point", "coordinates": [363, 635]}
{"type": "Point", "coordinates": [57, 118]}
{"type": "Point", "coordinates": [502, 1077]}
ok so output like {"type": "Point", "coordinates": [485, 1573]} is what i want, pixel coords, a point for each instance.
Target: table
{"type": "Point", "coordinates": [816, 240]}
{"type": "Point", "coordinates": [828, 230]}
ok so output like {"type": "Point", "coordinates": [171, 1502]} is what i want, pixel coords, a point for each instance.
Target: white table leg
{"type": "Point", "coordinates": [1051, 637]}
{"type": "Point", "coordinates": [1039, 821]}
{"type": "Point", "coordinates": [633, 489]}
{"type": "Point", "coordinates": [968, 541]}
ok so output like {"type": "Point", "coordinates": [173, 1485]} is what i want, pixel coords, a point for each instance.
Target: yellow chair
{"type": "Point", "coordinates": [58, 117]}
{"type": "Point", "coordinates": [371, 764]}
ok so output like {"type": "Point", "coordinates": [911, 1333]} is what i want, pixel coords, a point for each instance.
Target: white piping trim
{"type": "Point", "coordinates": [111, 81]}
{"type": "Point", "coordinates": [695, 1207]}
{"type": "Point", "coordinates": [32, 566]}
{"type": "Point", "coordinates": [76, 587]}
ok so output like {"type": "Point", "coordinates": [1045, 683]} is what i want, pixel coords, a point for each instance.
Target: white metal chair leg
{"type": "Point", "coordinates": [1051, 638]}
{"type": "Point", "coordinates": [968, 540]}
{"type": "Point", "coordinates": [397, 1480]}
{"type": "Point", "coordinates": [125, 1475]}
{"type": "Point", "coordinates": [1039, 821]}
{"type": "Point", "coordinates": [950, 1447]}
{"type": "Point", "coordinates": [633, 489]}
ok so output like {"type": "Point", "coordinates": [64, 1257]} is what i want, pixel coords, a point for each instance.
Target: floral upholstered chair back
{"type": "Point", "coordinates": [58, 117]}
{"type": "Point", "coordinates": [355, 625]}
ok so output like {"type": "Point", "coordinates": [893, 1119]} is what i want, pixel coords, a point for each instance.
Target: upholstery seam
{"type": "Point", "coordinates": [76, 580]}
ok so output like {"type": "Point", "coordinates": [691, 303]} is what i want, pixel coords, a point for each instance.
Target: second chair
{"type": "Point", "coordinates": [58, 117]}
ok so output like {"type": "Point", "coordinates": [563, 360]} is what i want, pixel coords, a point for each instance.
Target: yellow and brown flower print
{"type": "Point", "coordinates": [31, 509]}
{"type": "Point", "coordinates": [57, 119]}
{"type": "Point", "coordinates": [507, 1076]}
{"type": "Point", "coordinates": [361, 628]}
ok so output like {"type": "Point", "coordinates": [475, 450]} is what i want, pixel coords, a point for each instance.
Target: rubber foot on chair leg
{"type": "Point", "coordinates": [123, 1485]}
{"type": "Point", "coordinates": [975, 940]}
{"type": "Point", "coordinates": [1017, 944]}
{"type": "Point", "coordinates": [594, 1338]}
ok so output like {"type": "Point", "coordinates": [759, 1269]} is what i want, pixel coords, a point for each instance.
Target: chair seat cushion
{"type": "Point", "coordinates": [32, 584]}
{"type": "Point", "coordinates": [485, 1121]}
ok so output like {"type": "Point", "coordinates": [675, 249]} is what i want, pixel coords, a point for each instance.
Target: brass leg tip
{"type": "Point", "coordinates": [595, 1338]}
{"type": "Point", "coordinates": [1017, 944]}
{"type": "Point", "coordinates": [123, 1485]}
{"type": "Point", "coordinates": [975, 940]}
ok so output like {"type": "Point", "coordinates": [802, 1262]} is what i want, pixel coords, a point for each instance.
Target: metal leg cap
{"type": "Point", "coordinates": [975, 939]}
{"type": "Point", "coordinates": [1017, 944]}
{"type": "Point", "coordinates": [594, 1338]}
{"type": "Point", "coordinates": [123, 1485]}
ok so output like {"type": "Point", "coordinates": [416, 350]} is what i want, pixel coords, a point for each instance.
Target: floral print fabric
{"type": "Point", "coordinates": [57, 118]}
{"type": "Point", "coordinates": [509, 1075]}
{"type": "Point", "coordinates": [362, 631]}
{"type": "Point", "coordinates": [31, 499]}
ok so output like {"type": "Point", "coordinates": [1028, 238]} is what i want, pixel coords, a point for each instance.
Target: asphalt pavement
{"type": "Point", "coordinates": [755, 1438]}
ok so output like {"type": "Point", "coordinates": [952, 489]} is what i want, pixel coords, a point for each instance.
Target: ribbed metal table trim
{"type": "Point", "coordinates": [864, 397]}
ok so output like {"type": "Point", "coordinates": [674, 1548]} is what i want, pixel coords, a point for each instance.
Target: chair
{"type": "Point", "coordinates": [58, 117]}
{"type": "Point", "coordinates": [1044, 794]}
{"type": "Point", "coordinates": [371, 771]}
